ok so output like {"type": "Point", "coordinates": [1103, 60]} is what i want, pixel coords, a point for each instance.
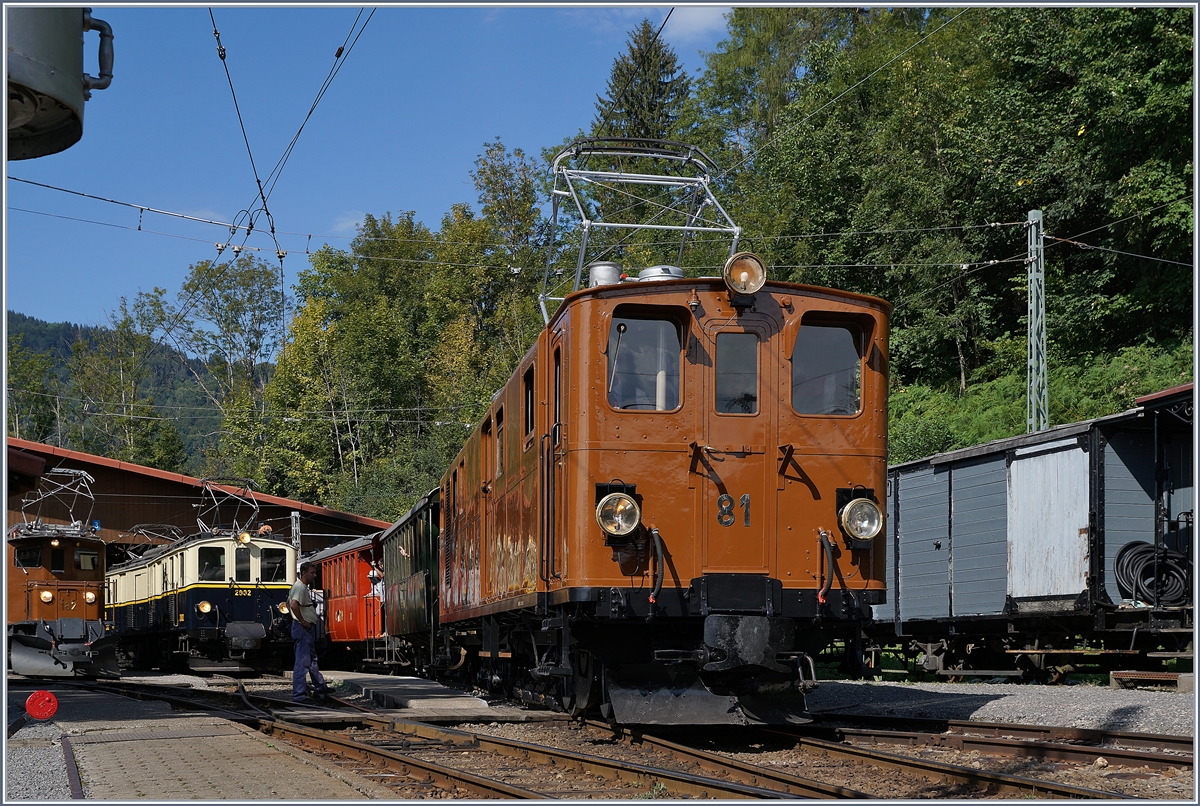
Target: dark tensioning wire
{"type": "Point", "coordinates": [1090, 247]}
{"type": "Point", "coordinates": [617, 95]}
{"type": "Point", "coordinates": [257, 180]}
{"type": "Point", "coordinates": [117, 226]}
{"type": "Point", "coordinates": [339, 59]}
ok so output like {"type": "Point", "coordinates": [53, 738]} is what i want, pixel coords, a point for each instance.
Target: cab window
{"type": "Point", "coordinates": [827, 369]}
{"type": "Point", "coordinates": [29, 557]}
{"type": "Point", "coordinates": [273, 565]}
{"type": "Point", "coordinates": [737, 373]}
{"type": "Point", "coordinates": [643, 364]}
{"type": "Point", "coordinates": [211, 561]}
{"type": "Point", "coordinates": [241, 564]}
{"type": "Point", "coordinates": [86, 560]}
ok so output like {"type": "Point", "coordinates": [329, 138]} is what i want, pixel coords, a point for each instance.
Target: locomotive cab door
{"type": "Point", "coordinates": [737, 511]}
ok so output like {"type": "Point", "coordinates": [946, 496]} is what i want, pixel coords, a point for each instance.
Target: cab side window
{"type": "Point", "coordinates": [827, 369]}
{"type": "Point", "coordinates": [211, 563]}
{"type": "Point", "coordinates": [273, 565]}
{"type": "Point", "coordinates": [643, 364]}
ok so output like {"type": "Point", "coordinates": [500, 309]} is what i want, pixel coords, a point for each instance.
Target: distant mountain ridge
{"type": "Point", "coordinates": [176, 394]}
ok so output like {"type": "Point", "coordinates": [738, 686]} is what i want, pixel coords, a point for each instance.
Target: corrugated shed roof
{"type": "Point", "coordinates": [191, 481]}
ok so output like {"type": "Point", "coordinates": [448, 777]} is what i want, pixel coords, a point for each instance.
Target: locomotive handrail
{"type": "Point", "coordinates": [547, 561]}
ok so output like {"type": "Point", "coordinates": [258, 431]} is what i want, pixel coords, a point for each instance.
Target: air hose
{"type": "Point", "coordinates": [658, 573]}
{"type": "Point", "coordinates": [1159, 576]}
{"type": "Point", "coordinates": [828, 567]}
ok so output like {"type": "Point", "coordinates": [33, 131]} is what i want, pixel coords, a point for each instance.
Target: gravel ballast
{"type": "Point", "coordinates": [1073, 706]}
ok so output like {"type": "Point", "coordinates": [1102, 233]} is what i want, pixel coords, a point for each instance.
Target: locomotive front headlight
{"type": "Point", "coordinates": [46, 596]}
{"type": "Point", "coordinates": [744, 273]}
{"type": "Point", "coordinates": [283, 608]}
{"type": "Point", "coordinates": [89, 597]}
{"type": "Point", "coordinates": [862, 519]}
{"type": "Point", "coordinates": [204, 607]}
{"type": "Point", "coordinates": [244, 537]}
{"type": "Point", "coordinates": [618, 514]}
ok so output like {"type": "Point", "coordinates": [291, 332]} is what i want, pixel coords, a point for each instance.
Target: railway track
{"type": "Point", "coordinates": [1183, 745]}
{"type": "Point", "coordinates": [1041, 743]}
{"type": "Point", "coordinates": [420, 760]}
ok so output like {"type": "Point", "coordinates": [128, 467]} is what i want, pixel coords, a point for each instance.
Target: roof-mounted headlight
{"type": "Point", "coordinates": [618, 514]}
{"type": "Point", "coordinates": [862, 519]}
{"type": "Point", "coordinates": [244, 537]}
{"type": "Point", "coordinates": [744, 274]}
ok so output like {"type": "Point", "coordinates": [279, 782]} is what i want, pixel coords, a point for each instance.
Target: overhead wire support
{"type": "Point", "coordinates": [1037, 416]}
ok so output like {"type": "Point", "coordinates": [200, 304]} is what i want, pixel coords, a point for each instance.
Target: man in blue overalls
{"type": "Point", "coordinates": [304, 633]}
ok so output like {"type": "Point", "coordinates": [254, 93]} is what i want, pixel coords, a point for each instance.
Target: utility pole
{"type": "Point", "coordinates": [1037, 417]}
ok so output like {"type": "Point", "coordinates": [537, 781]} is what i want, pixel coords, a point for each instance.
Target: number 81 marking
{"type": "Point", "coordinates": [725, 509]}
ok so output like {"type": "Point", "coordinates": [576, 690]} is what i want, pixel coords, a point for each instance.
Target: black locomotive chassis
{"type": "Point", "coordinates": [726, 640]}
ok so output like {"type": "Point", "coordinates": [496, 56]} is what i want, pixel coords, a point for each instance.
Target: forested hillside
{"type": "Point", "coordinates": [894, 153]}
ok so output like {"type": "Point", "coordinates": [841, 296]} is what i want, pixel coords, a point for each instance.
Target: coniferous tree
{"type": "Point", "coordinates": [646, 90]}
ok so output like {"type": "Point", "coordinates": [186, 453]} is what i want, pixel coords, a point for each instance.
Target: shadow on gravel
{"type": "Point", "coordinates": [1121, 718]}
{"type": "Point", "coordinates": [892, 700]}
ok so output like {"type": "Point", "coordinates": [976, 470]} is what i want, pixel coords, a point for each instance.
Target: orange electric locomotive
{"type": "Point", "coordinates": [674, 503]}
{"type": "Point", "coordinates": [55, 601]}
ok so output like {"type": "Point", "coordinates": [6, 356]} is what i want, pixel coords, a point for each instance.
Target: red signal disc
{"type": "Point", "coordinates": [41, 705]}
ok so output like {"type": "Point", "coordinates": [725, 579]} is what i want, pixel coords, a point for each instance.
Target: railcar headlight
{"type": "Point", "coordinates": [244, 537]}
{"type": "Point", "coordinates": [46, 596]}
{"type": "Point", "coordinates": [204, 607]}
{"type": "Point", "coordinates": [744, 273]}
{"type": "Point", "coordinates": [618, 514]}
{"type": "Point", "coordinates": [89, 597]}
{"type": "Point", "coordinates": [862, 519]}
{"type": "Point", "coordinates": [283, 608]}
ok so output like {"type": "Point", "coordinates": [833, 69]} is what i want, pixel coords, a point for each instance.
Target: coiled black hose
{"type": "Point", "coordinates": [1153, 575]}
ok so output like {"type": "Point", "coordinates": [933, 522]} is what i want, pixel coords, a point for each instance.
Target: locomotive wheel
{"type": "Point", "coordinates": [578, 697]}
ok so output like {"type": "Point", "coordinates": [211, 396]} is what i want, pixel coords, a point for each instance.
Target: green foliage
{"type": "Point", "coordinates": [888, 151]}
{"type": "Point", "coordinates": [31, 392]}
{"type": "Point", "coordinates": [923, 421]}
{"type": "Point", "coordinates": [42, 406]}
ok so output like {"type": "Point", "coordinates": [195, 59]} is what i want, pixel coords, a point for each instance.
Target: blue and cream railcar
{"type": "Point", "coordinates": [215, 601]}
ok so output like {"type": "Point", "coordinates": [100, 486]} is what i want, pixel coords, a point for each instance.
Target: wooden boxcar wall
{"type": "Point", "coordinates": [1013, 520]}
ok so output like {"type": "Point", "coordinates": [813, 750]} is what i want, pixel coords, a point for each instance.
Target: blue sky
{"type": "Point", "coordinates": [399, 129]}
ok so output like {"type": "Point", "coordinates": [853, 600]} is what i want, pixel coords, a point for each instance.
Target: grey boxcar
{"type": "Point", "coordinates": [1071, 547]}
